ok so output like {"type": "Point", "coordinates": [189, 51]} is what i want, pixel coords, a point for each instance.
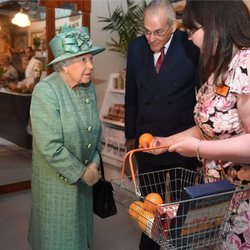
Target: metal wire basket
{"type": "Point", "coordinates": [180, 222]}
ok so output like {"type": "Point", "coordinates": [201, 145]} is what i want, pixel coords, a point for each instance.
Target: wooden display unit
{"type": "Point", "coordinates": [112, 117]}
{"type": "Point", "coordinates": [14, 116]}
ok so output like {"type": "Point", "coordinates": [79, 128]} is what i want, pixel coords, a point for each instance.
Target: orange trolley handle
{"type": "Point", "coordinates": [129, 155]}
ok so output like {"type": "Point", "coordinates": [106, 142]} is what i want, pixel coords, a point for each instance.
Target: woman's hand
{"type": "Point", "coordinates": [180, 143]}
{"type": "Point", "coordinates": [91, 175]}
{"type": "Point", "coordinates": [185, 146]}
{"type": "Point", "coordinates": [159, 142]}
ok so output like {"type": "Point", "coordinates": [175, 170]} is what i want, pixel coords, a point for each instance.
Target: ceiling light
{"type": "Point", "coordinates": [21, 19]}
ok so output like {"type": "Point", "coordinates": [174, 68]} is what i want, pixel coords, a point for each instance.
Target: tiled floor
{"type": "Point", "coordinates": [114, 233]}
{"type": "Point", "coordinates": [15, 163]}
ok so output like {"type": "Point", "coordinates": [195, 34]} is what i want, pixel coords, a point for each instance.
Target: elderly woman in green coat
{"type": "Point", "coordinates": [66, 144]}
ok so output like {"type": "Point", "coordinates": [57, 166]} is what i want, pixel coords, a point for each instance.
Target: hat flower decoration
{"type": "Point", "coordinates": [76, 40]}
{"type": "Point", "coordinates": [72, 42]}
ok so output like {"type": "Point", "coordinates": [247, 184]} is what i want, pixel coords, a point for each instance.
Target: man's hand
{"type": "Point", "coordinates": [128, 170]}
{"type": "Point", "coordinates": [159, 142]}
{"type": "Point", "coordinates": [130, 144]}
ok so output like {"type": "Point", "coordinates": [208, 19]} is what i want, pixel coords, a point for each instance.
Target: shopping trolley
{"type": "Point", "coordinates": [180, 222]}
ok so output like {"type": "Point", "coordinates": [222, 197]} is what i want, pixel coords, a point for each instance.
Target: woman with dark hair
{"type": "Point", "coordinates": [221, 30]}
{"type": "Point", "coordinates": [226, 29]}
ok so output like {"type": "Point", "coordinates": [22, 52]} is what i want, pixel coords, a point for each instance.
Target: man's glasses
{"type": "Point", "coordinates": [156, 33]}
{"type": "Point", "coordinates": [191, 32]}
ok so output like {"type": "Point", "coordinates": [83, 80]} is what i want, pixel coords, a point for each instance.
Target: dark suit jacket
{"type": "Point", "coordinates": [161, 104]}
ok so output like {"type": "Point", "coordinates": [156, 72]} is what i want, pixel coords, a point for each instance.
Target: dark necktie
{"type": "Point", "coordinates": [159, 61]}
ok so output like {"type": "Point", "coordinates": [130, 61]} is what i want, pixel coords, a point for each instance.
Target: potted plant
{"type": "Point", "coordinates": [127, 22]}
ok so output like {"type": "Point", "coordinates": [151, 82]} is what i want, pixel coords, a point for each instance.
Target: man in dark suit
{"type": "Point", "coordinates": [160, 103]}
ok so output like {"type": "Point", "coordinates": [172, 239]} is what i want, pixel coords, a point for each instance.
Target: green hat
{"type": "Point", "coordinates": [72, 42]}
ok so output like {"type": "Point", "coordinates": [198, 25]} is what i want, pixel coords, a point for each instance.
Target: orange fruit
{"type": "Point", "coordinates": [151, 201]}
{"type": "Point", "coordinates": [135, 209]}
{"type": "Point", "coordinates": [145, 221]}
{"type": "Point", "coordinates": [145, 140]}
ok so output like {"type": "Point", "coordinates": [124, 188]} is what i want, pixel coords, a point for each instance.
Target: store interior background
{"type": "Point", "coordinates": [15, 162]}
{"type": "Point", "coordinates": [102, 71]}
{"type": "Point", "coordinates": [105, 64]}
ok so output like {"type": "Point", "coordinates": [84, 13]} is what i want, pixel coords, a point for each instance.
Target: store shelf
{"type": "Point", "coordinates": [113, 139]}
{"type": "Point", "coordinates": [118, 91]}
{"type": "Point", "coordinates": [115, 123]}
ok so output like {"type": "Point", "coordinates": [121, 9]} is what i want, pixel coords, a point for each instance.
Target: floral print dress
{"type": "Point", "coordinates": [217, 116]}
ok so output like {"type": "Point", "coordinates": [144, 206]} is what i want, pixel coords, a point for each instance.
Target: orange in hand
{"type": "Point", "coordinates": [135, 209]}
{"type": "Point", "coordinates": [151, 201]}
{"type": "Point", "coordinates": [145, 140]}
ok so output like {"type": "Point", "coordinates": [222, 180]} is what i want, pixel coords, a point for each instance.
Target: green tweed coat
{"type": "Point", "coordinates": [66, 137]}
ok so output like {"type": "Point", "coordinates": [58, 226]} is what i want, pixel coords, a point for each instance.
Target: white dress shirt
{"type": "Point", "coordinates": [156, 55]}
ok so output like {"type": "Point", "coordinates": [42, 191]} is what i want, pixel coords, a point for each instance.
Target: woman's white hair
{"type": "Point", "coordinates": [59, 65]}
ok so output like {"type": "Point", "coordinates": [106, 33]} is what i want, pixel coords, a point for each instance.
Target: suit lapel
{"type": "Point", "coordinates": [148, 74]}
{"type": "Point", "coordinates": [171, 59]}
{"type": "Point", "coordinates": [173, 54]}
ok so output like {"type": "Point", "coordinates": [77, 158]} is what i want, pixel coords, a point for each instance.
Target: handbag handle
{"type": "Point", "coordinates": [101, 167]}
{"type": "Point", "coordinates": [129, 155]}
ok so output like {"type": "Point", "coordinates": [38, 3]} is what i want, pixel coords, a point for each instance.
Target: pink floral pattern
{"type": "Point", "coordinates": [218, 118]}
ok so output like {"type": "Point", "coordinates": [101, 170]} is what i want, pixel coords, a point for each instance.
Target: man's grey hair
{"type": "Point", "coordinates": [155, 5]}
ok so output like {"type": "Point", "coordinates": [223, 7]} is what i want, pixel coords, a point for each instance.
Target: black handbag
{"type": "Point", "coordinates": [103, 199]}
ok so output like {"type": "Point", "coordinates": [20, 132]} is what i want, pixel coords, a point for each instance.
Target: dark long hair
{"type": "Point", "coordinates": [225, 23]}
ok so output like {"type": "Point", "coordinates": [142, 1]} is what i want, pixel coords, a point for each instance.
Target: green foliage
{"type": "Point", "coordinates": [127, 23]}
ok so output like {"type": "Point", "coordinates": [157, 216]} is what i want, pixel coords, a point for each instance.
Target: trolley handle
{"type": "Point", "coordinates": [129, 155]}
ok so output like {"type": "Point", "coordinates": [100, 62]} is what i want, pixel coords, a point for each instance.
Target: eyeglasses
{"type": "Point", "coordinates": [191, 32]}
{"type": "Point", "coordinates": [156, 33]}
{"type": "Point", "coordinates": [84, 60]}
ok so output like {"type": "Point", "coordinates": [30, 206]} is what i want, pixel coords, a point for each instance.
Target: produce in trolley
{"type": "Point", "coordinates": [151, 202]}
{"type": "Point", "coordinates": [192, 219]}
{"type": "Point", "coordinates": [135, 209]}
{"type": "Point", "coordinates": [145, 221]}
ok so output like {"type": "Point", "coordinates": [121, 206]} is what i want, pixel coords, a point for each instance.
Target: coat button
{"type": "Point", "coordinates": [89, 129]}
{"type": "Point", "coordinates": [87, 100]}
{"type": "Point", "coordinates": [62, 177]}
{"type": "Point", "coordinates": [89, 145]}
{"type": "Point", "coordinates": [86, 162]}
